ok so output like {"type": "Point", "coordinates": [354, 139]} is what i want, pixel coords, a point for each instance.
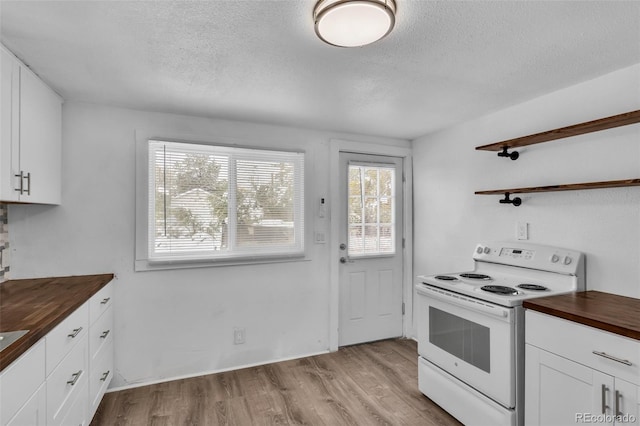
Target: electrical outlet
{"type": "Point", "coordinates": [238, 335]}
{"type": "Point", "coordinates": [522, 231]}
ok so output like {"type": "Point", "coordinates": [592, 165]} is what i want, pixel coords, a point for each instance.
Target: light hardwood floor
{"type": "Point", "coordinates": [369, 384]}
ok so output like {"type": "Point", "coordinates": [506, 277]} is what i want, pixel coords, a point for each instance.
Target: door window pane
{"type": "Point", "coordinates": [371, 206]}
{"type": "Point", "coordinates": [461, 338]}
{"type": "Point", "coordinates": [371, 210]}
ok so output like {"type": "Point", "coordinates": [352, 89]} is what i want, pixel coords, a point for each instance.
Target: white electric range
{"type": "Point", "coordinates": [471, 327]}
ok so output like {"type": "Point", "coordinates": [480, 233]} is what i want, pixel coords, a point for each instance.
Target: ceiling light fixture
{"type": "Point", "coordinates": [353, 23]}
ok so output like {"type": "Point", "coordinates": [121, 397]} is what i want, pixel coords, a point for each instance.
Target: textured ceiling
{"type": "Point", "coordinates": [445, 62]}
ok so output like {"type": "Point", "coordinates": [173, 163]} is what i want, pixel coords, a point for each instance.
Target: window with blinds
{"type": "Point", "coordinates": [371, 210]}
{"type": "Point", "coordinates": [218, 202]}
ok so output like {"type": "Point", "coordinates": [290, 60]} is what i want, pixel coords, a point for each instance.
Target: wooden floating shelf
{"type": "Point", "coordinates": [627, 118]}
{"type": "Point", "coordinates": [567, 187]}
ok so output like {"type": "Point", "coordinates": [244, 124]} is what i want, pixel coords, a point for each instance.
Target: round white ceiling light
{"type": "Point", "coordinates": [353, 23]}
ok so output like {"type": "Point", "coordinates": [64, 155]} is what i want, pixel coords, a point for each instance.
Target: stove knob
{"type": "Point", "coordinates": [479, 250]}
{"type": "Point", "coordinates": [487, 250]}
{"type": "Point", "coordinates": [555, 258]}
{"type": "Point", "coordinates": [567, 260]}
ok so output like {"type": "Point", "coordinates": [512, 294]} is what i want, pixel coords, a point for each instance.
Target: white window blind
{"type": "Point", "coordinates": [371, 210]}
{"type": "Point", "coordinates": [217, 202]}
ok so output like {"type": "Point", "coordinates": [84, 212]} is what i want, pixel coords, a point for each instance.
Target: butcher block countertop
{"type": "Point", "coordinates": [38, 305]}
{"type": "Point", "coordinates": [609, 312]}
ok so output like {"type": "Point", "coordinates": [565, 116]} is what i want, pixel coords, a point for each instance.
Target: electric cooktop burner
{"type": "Point", "coordinates": [446, 278]}
{"type": "Point", "coordinates": [475, 276]}
{"type": "Point", "coordinates": [534, 287]}
{"type": "Point", "coordinates": [500, 289]}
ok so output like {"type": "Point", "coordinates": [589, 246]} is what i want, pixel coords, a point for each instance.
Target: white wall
{"type": "Point", "coordinates": [178, 322]}
{"type": "Point", "coordinates": [604, 223]}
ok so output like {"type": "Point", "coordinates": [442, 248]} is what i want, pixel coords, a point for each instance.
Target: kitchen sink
{"type": "Point", "coordinates": [8, 337]}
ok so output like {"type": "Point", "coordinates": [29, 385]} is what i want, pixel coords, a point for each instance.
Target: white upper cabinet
{"type": "Point", "coordinates": [31, 136]}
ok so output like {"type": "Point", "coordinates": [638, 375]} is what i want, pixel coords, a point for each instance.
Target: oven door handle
{"type": "Point", "coordinates": [463, 301]}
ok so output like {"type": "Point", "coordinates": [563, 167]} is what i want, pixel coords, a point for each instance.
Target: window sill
{"type": "Point", "coordinates": [143, 265]}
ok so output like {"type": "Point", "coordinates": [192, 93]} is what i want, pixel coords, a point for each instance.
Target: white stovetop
{"type": "Point", "coordinates": [512, 263]}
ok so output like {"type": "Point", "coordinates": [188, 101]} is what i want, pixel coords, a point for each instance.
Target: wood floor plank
{"type": "Point", "coordinates": [369, 384]}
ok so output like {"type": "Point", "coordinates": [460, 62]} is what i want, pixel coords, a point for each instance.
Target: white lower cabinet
{"type": "Point", "coordinates": [19, 382]}
{"type": "Point", "coordinates": [62, 378]}
{"type": "Point", "coordinates": [34, 412]}
{"type": "Point", "coordinates": [78, 413]}
{"type": "Point", "coordinates": [101, 349]}
{"type": "Point", "coordinates": [67, 382]}
{"type": "Point", "coordinates": [569, 381]}
{"type": "Point", "coordinates": [628, 395]}
{"type": "Point", "coordinates": [101, 375]}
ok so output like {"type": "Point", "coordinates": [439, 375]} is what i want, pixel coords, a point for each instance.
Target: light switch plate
{"type": "Point", "coordinates": [522, 231]}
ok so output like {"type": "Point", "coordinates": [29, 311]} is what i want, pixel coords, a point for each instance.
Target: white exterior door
{"type": "Point", "coordinates": [371, 251]}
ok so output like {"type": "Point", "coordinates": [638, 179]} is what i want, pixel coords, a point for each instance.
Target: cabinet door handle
{"type": "Point", "coordinates": [603, 394]}
{"type": "Point", "coordinates": [28, 178]}
{"type": "Point", "coordinates": [105, 375]}
{"type": "Point", "coordinates": [105, 301]}
{"type": "Point", "coordinates": [105, 334]}
{"type": "Point", "coordinates": [75, 377]}
{"type": "Point", "coordinates": [21, 176]}
{"type": "Point", "coordinates": [617, 404]}
{"type": "Point", "coordinates": [612, 358]}
{"type": "Point", "coordinates": [76, 331]}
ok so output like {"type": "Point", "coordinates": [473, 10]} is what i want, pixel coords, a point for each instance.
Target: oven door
{"type": "Point", "coordinates": [470, 339]}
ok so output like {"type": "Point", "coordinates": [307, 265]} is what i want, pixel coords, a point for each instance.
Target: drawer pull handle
{"type": "Point", "coordinates": [612, 358]}
{"type": "Point", "coordinates": [105, 375]}
{"type": "Point", "coordinates": [105, 334]}
{"type": "Point", "coordinates": [75, 378]}
{"type": "Point", "coordinates": [105, 300]}
{"type": "Point", "coordinates": [603, 394]}
{"type": "Point", "coordinates": [76, 331]}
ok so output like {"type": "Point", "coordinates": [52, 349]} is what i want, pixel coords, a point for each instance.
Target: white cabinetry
{"type": "Point", "coordinates": [579, 374]}
{"type": "Point", "coordinates": [100, 346]}
{"type": "Point", "coordinates": [31, 135]}
{"type": "Point", "coordinates": [33, 413]}
{"type": "Point", "coordinates": [67, 365]}
{"type": "Point", "coordinates": [62, 379]}
{"type": "Point", "coordinates": [21, 385]}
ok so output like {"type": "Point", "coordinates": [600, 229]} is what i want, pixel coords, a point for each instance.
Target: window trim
{"type": "Point", "coordinates": [143, 262]}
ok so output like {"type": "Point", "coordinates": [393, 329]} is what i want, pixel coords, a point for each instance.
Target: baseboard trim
{"type": "Point", "coordinates": [206, 373]}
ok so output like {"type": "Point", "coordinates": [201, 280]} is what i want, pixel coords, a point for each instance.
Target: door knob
{"type": "Point", "coordinates": [345, 260]}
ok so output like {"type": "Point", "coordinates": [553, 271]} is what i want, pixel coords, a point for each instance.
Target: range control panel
{"type": "Point", "coordinates": [516, 253]}
{"type": "Point", "coordinates": [546, 258]}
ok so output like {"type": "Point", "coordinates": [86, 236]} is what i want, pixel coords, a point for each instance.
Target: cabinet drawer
{"type": "Point", "coordinates": [20, 380]}
{"type": "Point", "coordinates": [65, 336]}
{"type": "Point", "coordinates": [100, 302]}
{"type": "Point", "coordinates": [578, 342]}
{"type": "Point", "coordinates": [66, 383]}
{"type": "Point", "coordinates": [101, 334]}
{"type": "Point", "coordinates": [101, 375]}
{"type": "Point", "coordinates": [77, 414]}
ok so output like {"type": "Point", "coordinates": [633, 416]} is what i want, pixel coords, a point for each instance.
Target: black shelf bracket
{"type": "Point", "coordinates": [505, 153]}
{"type": "Point", "coordinates": [516, 201]}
